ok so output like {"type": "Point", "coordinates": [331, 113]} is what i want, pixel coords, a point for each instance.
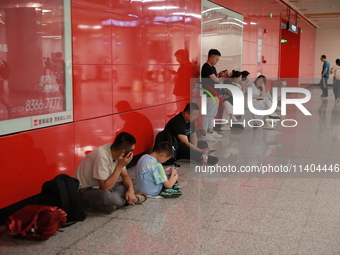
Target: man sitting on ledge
{"type": "Point", "coordinates": [183, 128]}
{"type": "Point", "coordinates": [99, 171]}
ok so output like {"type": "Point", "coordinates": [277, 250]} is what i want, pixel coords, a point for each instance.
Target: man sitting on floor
{"type": "Point", "coordinates": [99, 171]}
{"type": "Point", "coordinates": [183, 128]}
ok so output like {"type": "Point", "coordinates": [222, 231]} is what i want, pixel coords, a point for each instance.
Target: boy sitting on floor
{"type": "Point", "coordinates": [151, 175]}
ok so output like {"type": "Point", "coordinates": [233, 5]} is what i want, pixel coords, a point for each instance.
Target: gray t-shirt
{"type": "Point", "coordinates": [97, 165]}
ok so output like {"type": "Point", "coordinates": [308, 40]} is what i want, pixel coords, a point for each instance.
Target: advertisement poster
{"type": "Point", "coordinates": [33, 65]}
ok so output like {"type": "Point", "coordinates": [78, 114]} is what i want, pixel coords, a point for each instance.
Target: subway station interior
{"type": "Point", "coordinates": [76, 73]}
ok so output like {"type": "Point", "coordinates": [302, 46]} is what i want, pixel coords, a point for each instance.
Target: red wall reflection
{"type": "Point", "coordinates": [32, 76]}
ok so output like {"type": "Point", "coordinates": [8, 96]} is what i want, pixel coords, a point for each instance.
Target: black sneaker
{"type": "Point", "coordinates": [212, 160]}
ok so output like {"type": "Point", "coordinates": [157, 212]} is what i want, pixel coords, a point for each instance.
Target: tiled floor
{"type": "Point", "coordinates": [231, 213]}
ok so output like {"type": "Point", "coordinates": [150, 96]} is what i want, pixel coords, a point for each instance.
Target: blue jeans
{"type": "Point", "coordinates": [323, 86]}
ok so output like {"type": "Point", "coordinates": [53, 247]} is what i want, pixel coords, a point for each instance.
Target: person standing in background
{"type": "Point", "coordinates": [209, 79]}
{"type": "Point", "coordinates": [336, 82]}
{"type": "Point", "coordinates": [324, 76]}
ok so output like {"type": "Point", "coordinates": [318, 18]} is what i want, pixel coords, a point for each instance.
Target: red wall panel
{"type": "Point", "coordinates": [91, 36]}
{"type": "Point", "coordinates": [29, 159]}
{"type": "Point", "coordinates": [90, 134]}
{"type": "Point", "coordinates": [92, 88]}
{"type": "Point", "coordinates": [11, 169]}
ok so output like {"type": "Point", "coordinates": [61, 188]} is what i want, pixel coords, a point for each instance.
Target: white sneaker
{"type": "Point", "coordinates": [274, 115]}
{"type": "Point", "coordinates": [267, 126]}
{"type": "Point", "coordinates": [215, 135]}
{"type": "Point", "coordinates": [208, 138]}
{"type": "Point", "coordinates": [225, 128]}
{"type": "Point", "coordinates": [234, 119]}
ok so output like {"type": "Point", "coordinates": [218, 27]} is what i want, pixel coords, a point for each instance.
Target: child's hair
{"type": "Point", "coordinates": [165, 147]}
{"type": "Point", "coordinates": [337, 61]}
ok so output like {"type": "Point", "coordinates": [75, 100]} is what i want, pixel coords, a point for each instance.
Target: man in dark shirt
{"type": "Point", "coordinates": [209, 79]}
{"type": "Point", "coordinates": [182, 126]}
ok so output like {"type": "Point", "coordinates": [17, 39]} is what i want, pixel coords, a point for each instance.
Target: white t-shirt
{"type": "Point", "coordinates": [336, 72]}
{"type": "Point", "coordinates": [256, 91]}
{"type": "Point", "coordinates": [97, 165]}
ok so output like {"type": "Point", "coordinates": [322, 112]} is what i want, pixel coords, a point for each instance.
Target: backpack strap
{"type": "Point", "coordinates": [75, 210]}
{"type": "Point", "coordinates": [63, 192]}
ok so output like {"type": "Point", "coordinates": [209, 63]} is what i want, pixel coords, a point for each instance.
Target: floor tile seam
{"type": "Point", "coordinates": [88, 234]}
{"type": "Point", "coordinates": [304, 228]}
{"type": "Point", "coordinates": [82, 249]}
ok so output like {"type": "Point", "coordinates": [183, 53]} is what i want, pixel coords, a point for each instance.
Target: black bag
{"type": "Point", "coordinates": [165, 136]}
{"type": "Point", "coordinates": [62, 192]}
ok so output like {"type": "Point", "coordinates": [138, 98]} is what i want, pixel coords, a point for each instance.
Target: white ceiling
{"type": "Point", "coordinates": [322, 13]}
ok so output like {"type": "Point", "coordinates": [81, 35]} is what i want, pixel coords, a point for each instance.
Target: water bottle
{"type": "Point", "coordinates": [205, 156]}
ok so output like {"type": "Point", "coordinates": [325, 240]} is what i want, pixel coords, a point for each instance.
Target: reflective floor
{"type": "Point", "coordinates": [277, 192]}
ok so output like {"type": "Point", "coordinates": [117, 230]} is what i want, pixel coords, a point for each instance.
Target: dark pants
{"type": "Point", "coordinates": [323, 86]}
{"type": "Point", "coordinates": [115, 196]}
{"type": "Point", "coordinates": [184, 151]}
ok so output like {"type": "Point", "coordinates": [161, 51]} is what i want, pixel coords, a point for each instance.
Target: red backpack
{"type": "Point", "coordinates": [36, 222]}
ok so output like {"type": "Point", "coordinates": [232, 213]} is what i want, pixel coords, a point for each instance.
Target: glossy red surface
{"type": "Point", "coordinates": [289, 66]}
{"type": "Point", "coordinates": [127, 87]}
{"type": "Point", "coordinates": [49, 152]}
{"type": "Point", "coordinates": [126, 40]}
{"type": "Point", "coordinates": [132, 122]}
{"type": "Point", "coordinates": [155, 50]}
{"type": "Point", "coordinates": [154, 77]}
{"type": "Point", "coordinates": [91, 36]}
{"type": "Point", "coordinates": [153, 123]}
{"type": "Point", "coordinates": [11, 166]}
{"type": "Point", "coordinates": [98, 4]}
{"type": "Point", "coordinates": [101, 133]}
{"type": "Point", "coordinates": [92, 86]}
{"type": "Point", "coordinates": [123, 80]}
{"type": "Point", "coordinates": [29, 159]}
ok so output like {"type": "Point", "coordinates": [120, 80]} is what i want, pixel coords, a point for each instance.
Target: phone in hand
{"type": "Point", "coordinates": [170, 169]}
{"type": "Point", "coordinates": [126, 153]}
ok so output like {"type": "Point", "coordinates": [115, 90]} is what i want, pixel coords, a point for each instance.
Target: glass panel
{"type": "Point", "coordinates": [35, 64]}
{"type": "Point", "coordinates": [222, 29]}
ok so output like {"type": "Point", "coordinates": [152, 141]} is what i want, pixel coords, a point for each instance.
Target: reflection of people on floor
{"type": "Point", "coordinates": [322, 117]}
{"type": "Point", "coordinates": [335, 122]}
{"type": "Point", "coordinates": [132, 119]}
